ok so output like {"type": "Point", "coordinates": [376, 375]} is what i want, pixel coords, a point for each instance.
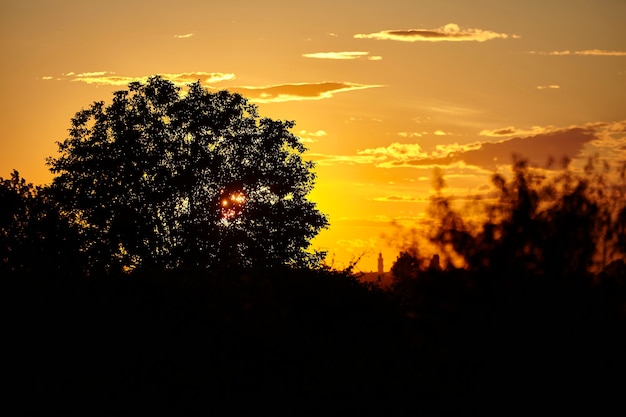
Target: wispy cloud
{"type": "Point", "coordinates": [317, 133]}
{"type": "Point", "coordinates": [452, 110]}
{"type": "Point", "coordinates": [345, 55]}
{"type": "Point", "coordinates": [548, 87]}
{"type": "Point", "coordinates": [411, 134]}
{"type": "Point", "coordinates": [258, 94]}
{"type": "Point", "coordinates": [110, 78]}
{"type": "Point", "coordinates": [541, 146]}
{"type": "Point", "coordinates": [540, 149]}
{"type": "Point", "coordinates": [610, 141]}
{"type": "Point", "coordinates": [298, 92]}
{"type": "Point", "coordinates": [185, 36]}
{"type": "Point", "coordinates": [327, 160]}
{"type": "Point", "coordinates": [396, 151]}
{"type": "Point", "coordinates": [462, 195]}
{"type": "Point", "coordinates": [441, 151]}
{"type": "Point", "coordinates": [586, 52]}
{"type": "Point", "coordinates": [400, 199]}
{"type": "Point", "coordinates": [394, 154]}
{"type": "Point", "coordinates": [358, 244]}
{"type": "Point", "coordinates": [450, 32]}
{"type": "Point", "coordinates": [513, 131]}
{"type": "Point", "coordinates": [397, 154]}
{"type": "Point", "coordinates": [423, 133]}
{"type": "Point", "coordinates": [311, 137]}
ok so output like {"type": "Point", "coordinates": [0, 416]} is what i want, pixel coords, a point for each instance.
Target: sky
{"type": "Point", "coordinates": [382, 92]}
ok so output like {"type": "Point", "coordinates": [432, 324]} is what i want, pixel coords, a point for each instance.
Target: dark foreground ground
{"type": "Point", "coordinates": [310, 341]}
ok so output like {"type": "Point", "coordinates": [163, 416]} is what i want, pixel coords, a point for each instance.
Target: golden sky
{"type": "Point", "coordinates": [381, 91]}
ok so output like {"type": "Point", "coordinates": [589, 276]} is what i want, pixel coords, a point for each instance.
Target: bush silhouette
{"type": "Point", "coordinates": [561, 228]}
{"type": "Point", "coordinates": [35, 236]}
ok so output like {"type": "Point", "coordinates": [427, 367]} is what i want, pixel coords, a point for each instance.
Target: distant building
{"type": "Point", "coordinates": [380, 278]}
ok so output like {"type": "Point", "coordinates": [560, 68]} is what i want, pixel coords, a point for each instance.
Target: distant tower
{"type": "Point", "coordinates": [381, 269]}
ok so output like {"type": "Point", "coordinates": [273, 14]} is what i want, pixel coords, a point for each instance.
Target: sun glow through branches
{"type": "Point", "coordinates": [232, 205]}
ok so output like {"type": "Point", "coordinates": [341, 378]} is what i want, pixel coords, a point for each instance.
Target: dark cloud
{"type": "Point", "coordinates": [449, 32]}
{"type": "Point", "coordinates": [540, 150]}
{"type": "Point", "coordinates": [297, 92]}
{"type": "Point", "coordinates": [504, 132]}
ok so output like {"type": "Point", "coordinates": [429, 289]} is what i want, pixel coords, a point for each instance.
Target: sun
{"type": "Point", "coordinates": [232, 204]}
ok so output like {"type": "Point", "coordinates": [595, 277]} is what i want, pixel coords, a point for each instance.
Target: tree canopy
{"type": "Point", "coordinates": [34, 235]}
{"type": "Point", "coordinates": [165, 177]}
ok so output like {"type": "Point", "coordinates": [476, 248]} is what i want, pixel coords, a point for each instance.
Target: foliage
{"type": "Point", "coordinates": [200, 341]}
{"type": "Point", "coordinates": [562, 228]}
{"type": "Point", "coordinates": [162, 178]}
{"type": "Point", "coordinates": [531, 294]}
{"type": "Point", "coordinates": [34, 236]}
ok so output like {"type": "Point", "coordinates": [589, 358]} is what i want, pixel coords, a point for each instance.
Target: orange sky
{"type": "Point", "coordinates": [381, 91]}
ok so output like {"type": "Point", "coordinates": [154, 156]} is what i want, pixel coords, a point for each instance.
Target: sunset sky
{"type": "Point", "coordinates": [381, 91]}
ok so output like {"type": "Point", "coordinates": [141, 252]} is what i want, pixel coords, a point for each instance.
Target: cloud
{"type": "Point", "coordinates": [548, 87]}
{"type": "Point", "coordinates": [411, 134]}
{"type": "Point", "coordinates": [311, 137]}
{"type": "Point", "coordinates": [543, 147]}
{"type": "Point", "coordinates": [185, 36]}
{"type": "Point", "coordinates": [453, 148]}
{"type": "Point", "coordinates": [505, 131]}
{"type": "Point", "coordinates": [204, 77]}
{"type": "Point", "coordinates": [180, 79]}
{"type": "Point", "coordinates": [511, 131]}
{"type": "Point", "coordinates": [396, 151]}
{"type": "Point", "coordinates": [317, 133]}
{"type": "Point", "coordinates": [327, 160]}
{"type": "Point", "coordinates": [451, 110]}
{"type": "Point", "coordinates": [394, 155]}
{"type": "Point", "coordinates": [298, 92]}
{"type": "Point", "coordinates": [404, 152]}
{"type": "Point", "coordinates": [347, 55]}
{"type": "Point", "coordinates": [610, 141]}
{"type": "Point", "coordinates": [362, 119]}
{"type": "Point", "coordinates": [262, 94]}
{"type": "Point", "coordinates": [587, 52]}
{"type": "Point", "coordinates": [539, 149]}
{"type": "Point", "coordinates": [401, 199]}
{"type": "Point", "coordinates": [449, 32]}
{"type": "Point", "coordinates": [358, 244]}
{"type": "Point", "coordinates": [422, 133]}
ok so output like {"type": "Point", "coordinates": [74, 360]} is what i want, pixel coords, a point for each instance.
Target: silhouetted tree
{"type": "Point", "coordinates": [34, 235]}
{"type": "Point", "coordinates": [162, 179]}
{"type": "Point", "coordinates": [407, 265]}
{"type": "Point", "coordinates": [562, 227]}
